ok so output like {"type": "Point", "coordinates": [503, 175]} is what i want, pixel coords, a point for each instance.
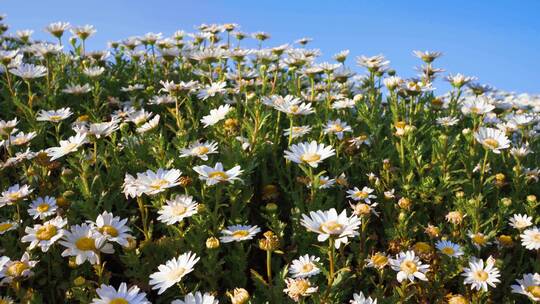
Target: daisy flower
{"type": "Point", "coordinates": [21, 138]}
{"type": "Point", "coordinates": [361, 195]}
{"type": "Point", "coordinates": [479, 274]}
{"type": "Point", "coordinates": [408, 266]}
{"type": "Point", "coordinates": [197, 298]}
{"type": "Point", "coordinates": [479, 240]}
{"type": "Point", "coordinates": [84, 243]}
{"type": "Point", "coordinates": [84, 31]}
{"type": "Point", "coordinates": [297, 131]}
{"type": "Point", "coordinates": [325, 182]}
{"type": "Point", "coordinates": [238, 233]}
{"type": "Point", "coordinates": [109, 295]}
{"type": "Point", "coordinates": [377, 260]}
{"type": "Point", "coordinates": [360, 140]}
{"type": "Point", "coordinates": [361, 299]}
{"type": "Point", "coordinates": [67, 146]}
{"type": "Point", "coordinates": [520, 221]}
{"type": "Point", "coordinates": [17, 269]}
{"type": "Point", "coordinates": [211, 90]}
{"type": "Point", "coordinates": [529, 285]}
{"type": "Point", "coordinates": [173, 271]}
{"type": "Point", "coordinates": [14, 194]}
{"type": "Point", "coordinates": [337, 127]}
{"type": "Point", "coordinates": [329, 224]}
{"type": "Point", "coordinates": [54, 115]}
{"type": "Point", "coordinates": [152, 182]}
{"type": "Point", "coordinates": [364, 209]}
{"type": "Point", "coordinates": [42, 207]}
{"type": "Point", "coordinates": [175, 210]}
{"type": "Point", "coordinates": [305, 266]}
{"type": "Point", "coordinates": [57, 29]}
{"type": "Point", "coordinates": [447, 121]}
{"type": "Point", "coordinates": [43, 236]}
{"type": "Point", "coordinates": [149, 125]}
{"type": "Point", "coordinates": [299, 288]}
{"type": "Point", "coordinates": [309, 153]}
{"type": "Point", "coordinates": [200, 150]}
{"type": "Point", "coordinates": [217, 174]}
{"type": "Point", "coordinates": [492, 139]}
{"type": "Point", "coordinates": [112, 228]}
{"type": "Point", "coordinates": [29, 71]}
{"type": "Point", "coordinates": [293, 106]}
{"type": "Point", "coordinates": [449, 248]}
{"type": "Point", "coordinates": [216, 115]}
{"type": "Point", "coordinates": [77, 89]}
{"type": "Point", "coordinates": [530, 238]}
{"type": "Point", "coordinates": [477, 106]}
{"type": "Point", "coordinates": [8, 225]}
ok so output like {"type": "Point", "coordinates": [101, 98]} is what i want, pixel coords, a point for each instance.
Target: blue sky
{"type": "Point", "coordinates": [496, 41]}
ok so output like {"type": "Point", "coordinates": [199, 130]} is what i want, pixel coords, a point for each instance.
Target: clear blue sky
{"type": "Point", "coordinates": [497, 41]}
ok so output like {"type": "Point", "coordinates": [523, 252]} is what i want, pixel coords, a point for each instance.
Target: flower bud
{"type": "Point", "coordinates": [212, 243]}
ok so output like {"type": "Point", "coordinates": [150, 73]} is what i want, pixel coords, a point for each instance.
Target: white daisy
{"type": "Point", "coordinates": [325, 182]}
{"type": "Point", "coordinates": [77, 89]}
{"type": "Point", "coordinates": [293, 106]}
{"type": "Point", "coordinates": [17, 269]}
{"type": "Point", "coordinates": [478, 239]}
{"type": "Point", "coordinates": [297, 131]}
{"type": "Point", "coordinates": [298, 288]}
{"type": "Point", "coordinates": [361, 299]}
{"type": "Point", "coordinates": [477, 106]}
{"type": "Point", "coordinates": [42, 207]}
{"type": "Point", "coordinates": [8, 225]}
{"type": "Point", "coordinates": [529, 285]}
{"type": "Point", "coordinates": [54, 115]}
{"type": "Point", "coordinates": [29, 71]}
{"type": "Point", "coordinates": [530, 238]}
{"type": "Point", "coordinates": [479, 274]}
{"type": "Point", "coordinates": [149, 125]}
{"type": "Point", "coordinates": [408, 266]}
{"type": "Point", "coordinates": [361, 195]}
{"type": "Point", "coordinates": [197, 298]}
{"type": "Point", "coordinates": [329, 224]}
{"type": "Point", "coordinates": [337, 127]}
{"type": "Point", "coordinates": [216, 115]}
{"type": "Point", "coordinates": [211, 90]}
{"type": "Point", "coordinates": [217, 174]}
{"type": "Point", "coordinates": [237, 233]}
{"type": "Point", "coordinates": [21, 138]}
{"type": "Point", "coordinates": [175, 210]}
{"type": "Point", "coordinates": [173, 271]}
{"type": "Point", "coordinates": [200, 150]}
{"type": "Point", "coordinates": [309, 153]}
{"type": "Point", "coordinates": [109, 295]}
{"type": "Point", "coordinates": [14, 194]}
{"type": "Point", "coordinates": [151, 182]}
{"type": "Point", "coordinates": [492, 139]}
{"type": "Point", "coordinates": [43, 236]}
{"type": "Point", "coordinates": [449, 248]}
{"type": "Point", "coordinates": [113, 228]}
{"type": "Point", "coordinates": [305, 266]}
{"type": "Point", "coordinates": [84, 243]}
{"type": "Point", "coordinates": [520, 221]}
{"type": "Point", "coordinates": [67, 146]}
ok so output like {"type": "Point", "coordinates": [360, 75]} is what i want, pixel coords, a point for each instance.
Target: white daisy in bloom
{"type": "Point", "coordinates": [305, 266]}
{"type": "Point", "coordinates": [529, 285]}
{"type": "Point", "coordinates": [329, 224]}
{"type": "Point", "coordinates": [479, 239]}
{"type": "Point", "coordinates": [177, 209]}
{"type": "Point", "coordinates": [42, 207]}
{"type": "Point", "coordinates": [297, 131]}
{"type": "Point", "coordinates": [54, 115]}
{"type": "Point", "coordinates": [361, 299]}
{"type": "Point", "coordinates": [14, 194]}
{"type": "Point", "coordinates": [77, 89]}
{"type": "Point", "coordinates": [447, 121]}
{"type": "Point", "coordinates": [67, 146]}
{"type": "Point", "coordinates": [113, 228]}
{"type": "Point", "coordinates": [479, 274]}
{"type": "Point", "coordinates": [83, 31]}
{"type": "Point", "coordinates": [530, 238]}
{"type": "Point", "coordinates": [6, 127]}
{"type": "Point", "coordinates": [8, 225]}
{"type": "Point", "coordinates": [361, 195]}
{"type": "Point", "coordinates": [299, 288]}
{"type": "Point", "coordinates": [492, 139]}
{"type": "Point", "coordinates": [21, 138]}
{"type": "Point", "coordinates": [43, 236]}
{"type": "Point", "coordinates": [200, 150]}
{"type": "Point", "coordinates": [139, 117]}
{"type": "Point", "coordinates": [325, 182]}
{"type": "Point", "coordinates": [238, 233]}
{"type": "Point", "coordinates": [162, 99]}
{"type": "Point", "coordinates": [151, 182]}
{"type": "Point", "coordinates": [29, 71]}
{"type": "Point", "coordinates": [377, 260]}
{"type": "Point", "coordinates": [217, 174]}
{"type": "Point", "coordinates": [309, 153]}
{"type": "Point", "coordinates": [17, 269]}
{"type": "Point", "coordinates": [345, 103]}
{"type": "Point", "coordinates": [477, 106]}
{"type": "Point", "coordinates": [212, 89]}
{"type": "Point", "coordinates": [149, 125]}
{"type": "Point", "coordinates": [173, 271]}
{"type": "Point", "coordinates": [520, 221]}
{"type": "Point", "coordinates": [57, 29]}
{"type": "Point", "coordinates": [360, 140]}
{"type": "Point", "coordinates": [449, 248]}
{"type": "Point", "coordinates": [409, 267]}
{"type": "Point", "coordinates": [337, 127]}
{"type": "Point", "coordinates": [216, 115]}
{"type": "Point", "coordinates": [132, 87]}
{"type": "Point", "coordinates": [293, 106]}
{"type": "Point", "coordinates": [197, 298]}
{"type": "Point", "coordinates": [93, 71]}
{"type": "Point", "coordinates": [103, 129]}
{"type": "Point", "coordinates": [364, 209]}
{"type": "Point", "coordinates": [84, 243]}
{"type": "Point", "coordinates": [109, 295]}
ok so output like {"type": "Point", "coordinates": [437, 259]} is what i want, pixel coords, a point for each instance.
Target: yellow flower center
{"type": "Point", "coordinates": [293, 109]}
{"type": "Point", "coordinates": [45, 233]}
{"type": "Point", "coordinates": [362, 209]}
{"type": "Point", "coordinates": [177, 273]}
{"type": "Point", "coordinates": [55, 117]}
{"type": "Point", "coordinates": [379, 260]}
{"type": "Point", "coordinates": [16, 269]}
{"type": "Point", "coordinates": [108, 230]}
{"type": "Point", "coordinates": [307, 267]}
{"type": "Point", "coordinates": [361, 195]}
{"type": "Point", "coordinates": [118, 301]}
{"type": "Point", "coordinates": [71, 146]}
{"type": "Point", "coordinates": [14, 196]}
{"type": "Point", "coordinates": [85, 244]}
{"type": "Point", "coordinates": [310, 157]}
{"type": "Point", "coordinates": [448, 250]}
{"type": "Point", "coordinates": [409, 267]}
{"type": "Point", "coordinates": [479, 239]}
{"type": "Point", "coordinates": [240, 233]}
{"type": "Point", "coordinates": [331, 227]}
{"type": "Point", "coordinates": [219, 175]}
{"type": "Point", "coordinates": [18, 141]}
{"type": "Point", "coordinates": [481, 275]}
{"type": "Point", "coordinates": [534, 290]}
{"type": "Point", "coordinates": [43, 207]}
{"type": "Point", "coordinates": [179, 210]}
{"type": "Point", "coordinates": [474, 110]}
{"type": "Point", "coordinates": [337, 128]}
{"type": "Point", "coordinates": [491, 143]}
{"type": "Point", "coordinates": [5, 226]}
{"type": "Point", "coordinates": [158, 184]}
{"type": "Point", "coordinates": [200, 150]}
